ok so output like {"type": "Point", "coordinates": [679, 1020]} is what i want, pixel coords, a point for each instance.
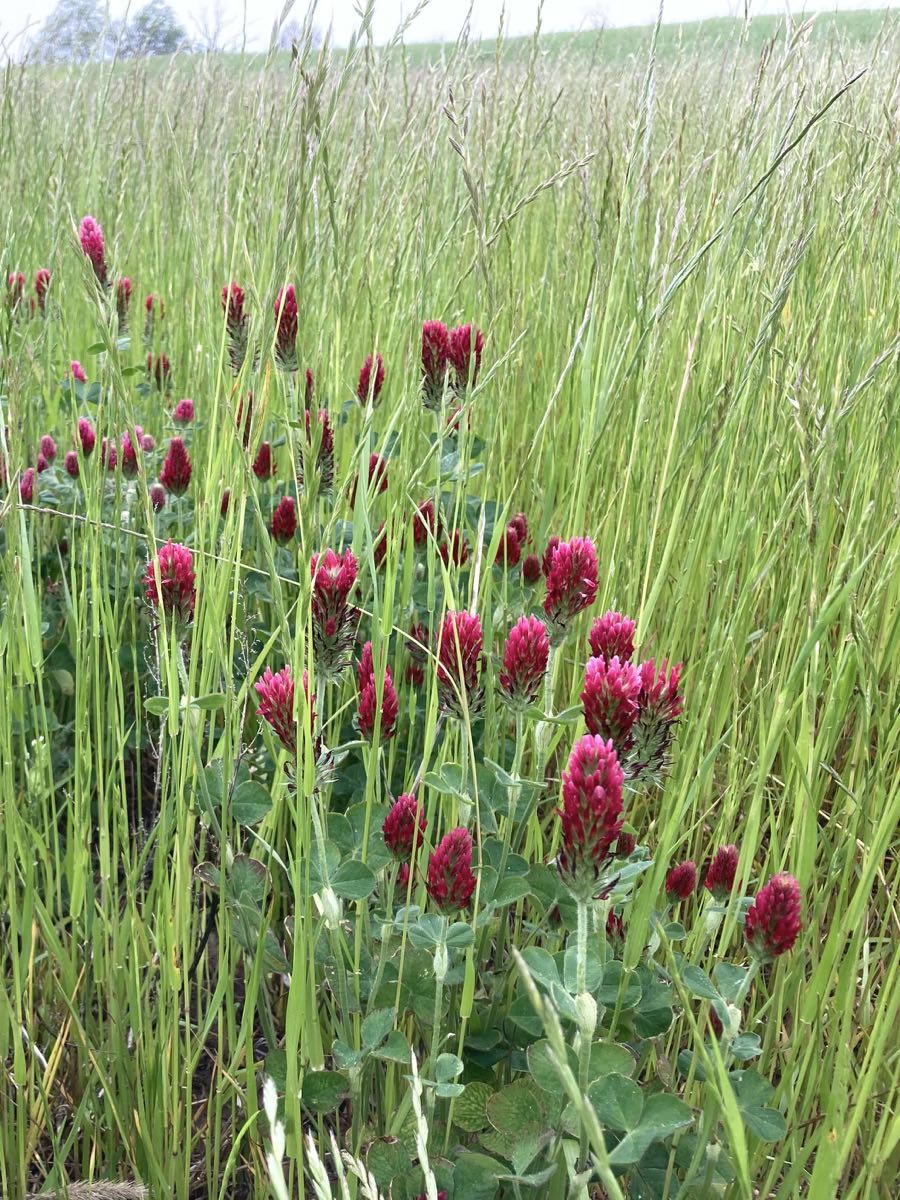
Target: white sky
{"type": "Point", "coordinates": [441, 19]}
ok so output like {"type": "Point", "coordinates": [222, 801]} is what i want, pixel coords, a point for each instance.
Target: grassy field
{"type": "Point", "coordinates": [683, 257]}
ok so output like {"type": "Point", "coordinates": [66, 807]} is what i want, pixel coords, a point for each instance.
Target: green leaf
{"type": "Point", "coordinates": [387, 1159]}
{"type": "Point", "coordinates": [345, 1056]}
{"type": "Point", "coordinates": [447, 1067]}
{"type": "Point", "coordinates": [767, 1123]}
{"type": "Point", "coordinates": [475, 1177]}
{"type": "Point", "coordinates": [469, 1111]}
{"type": "Point", "coordinates": [376, 1026]}
{"type": "Point", "coordinates": [449, 1091]}
{"type": "Point", "coordinates": [663, 1114]}
{"type": "Point", "coordinates": [248, 878]}
{"type": "Point", "coordinates": [542, 965]}
{"type": "Point", "coordinates": [395, 1048]}
{"type": "Point", "coordinates": [751, 1089]}
{"type": "Point", "coordinates": [617, 1101]}
{"type": "Point", "coordinates": [516, 1109]}
{"type": "Point", "coordinates": [594, 966]}
{"type": "Point", "coordinates": [428, 931]}
{"type": "Point", "coordinates": [211, 702]}
{"type": "Point", "coordinates": [542, 1066]}
{"type": "Point", "coordinates": [746, 1046]}
{"type": "Point", "coordinates": [323, 1091]}
{"type": "Point", "coordinates": [730, 980]}
{"type": "Point", "coordinates": [250, 802]}
{"type": "Point", "coordinates": [157, 706]}
{"type": "Point", "coordinates": [615, 980]}
{"type": "Point", "coordinates": [353, 880]}
{"type": "Point", "coordinates": [332, 861]}
{"type": "Point", "coordinates": [698, 983]}
{"type": "Point", "coordinates": [460, 936]}
{"type": "Point", "coordinates": [607, 1058]}
{"type": "Point", "coordinates": [511, 889]}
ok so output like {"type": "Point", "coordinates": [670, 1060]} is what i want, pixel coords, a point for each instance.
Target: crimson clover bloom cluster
{"type": "Point", "coordinates": [368, 699]}
{"type": "Point", "coordinates": [721, 872]}
{"type": "Point", "coordinates": [236, 324]}
{"type": "Point", "coordinates": [175, 592]}
{"type": "Point", "coordinates": [175, 475]}
{"type": "Point", "coordinates": [371, 379]}
{"type": "Point", "coordinates": [681, 881]}
{"type": "Point", "coordinates": [773, 920]}
{"type": "Point", "coordinates": [591, 813]}
{"type": "Point", "coordinates": [94, 247]}
{"type": "Point", "coordinates": [525, 658]}
{"type": "Point", "coordinates": [570, 569]}
{"type": "Point", "coordinates": [451, 883]}
{"type": "Point", "coordinates": [451, 360]}
{"type": "Point", "coordinates": [404, 827]}
{"type": "Point", "coordinates": [333, 618]}
{"type": "Point", "coordinates": [286, 328]}
{"type": "Point", "coordinates": [460, 661]}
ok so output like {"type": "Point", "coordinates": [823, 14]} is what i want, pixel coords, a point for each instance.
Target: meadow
{"type": "Point", "coordinates": [360, 835]}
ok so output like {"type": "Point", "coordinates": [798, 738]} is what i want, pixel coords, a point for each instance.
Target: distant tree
{"type": "Point", "coordinates": [154, 29]}
{"type": "Point", "coordinates": [293, 31]}
{"type": "Point", "coordinates": [75, 31]}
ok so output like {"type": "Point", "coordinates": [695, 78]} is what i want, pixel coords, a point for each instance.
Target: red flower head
{"type": "Point", "coordinates": [183, 412]}
{"type": "Point", "coordinates": [417, 645]}
{"type": "Point", "coordinates": [610, 699]}
{"type": "Point", "coordinates": [309, 389]}
{"type": "Point", "coordinates": [466, 345]}
{"type": "Point", "coordinates": [455, 551]}
{"type": "Point", "coordinates": [525, 658]}
{"type": "Point", "coordinates": [460, 646]}
{"type": "Point", "coordinates": [319, 432]}
{"type": "Point", "coordinates": [365, 670]}
{"type": "Point", "coordinates": [404, 827]}
{"type": "Point", "coordinates": [245, 432]}
{"type": "Point", "coordinates": [77, 371]}
{"type": "Point", "coordinates": [235, 324]}
{"type": "Point", "coordinates": [425, 523]}
{"type": "Point", "coordinates": [94, 247]}
{"type": "Point", "coordinates": [223, 503]}
{"type": "Point", "coordinates": [520, 524]}
{"type": "Point", "coordinates": [531, 569]}
{"type": "Point", "coordinates": [721, 872]}
{"type": "Point", "coordinates": [276, 704]}
{"type": "Point", "coordinates": [157, 496]}
{"type": "Point", "coordinates": [286, 327]}
{"type": "Point", "coordinates": [659, 706]}
{"type": "Point", "coordinates": [264, 463]}
{"type": "Point", "coordinates": [547, 559]}
{"type": "Point", "coordinates": [86, 436]}
{"type": "Point", "coordinates": [123, 301]}
{"type": "Point", "coordinates": [71, 463]}
{"type": "Point", "coordinates": [177, 595]}
{"type": "Point", "coordinates": [377, 477]}
{"type": "Point", "coordinates": [109, 456]}
{"type": "Point", "coordinates": [160, 371]}
{"type": "Point", "coordinates": [510, 549]}
{"type": "Point", "coordinates": [681, 881]}
{"type": "Point", "coordinates": [625, 845]}
{"type": "Point", "coordinates": [15, 289]}
{"type": "Point", "coordinates": [435, 361]}
{"type": "Point", "coordinates": [591, 815]}
{"type": "Point", "coordinates": [571, 583]}
{"type": "Point", "coordinates": [41, 287]}
{"type": "Point", "coordinates": [615, 928]}
{"type": "Point", "coordinates": [368, 701]}
{"type": "Point", "coordinates": [773, 919]}
{"type": "Point", "coordinates": [41, 463]}
{"type": "Point", "coordinates": [175, 475]}
{"type": "Point", "coordinates": [48, 447]}
{"type": "Point", "coordinates": [26, 485]}
{"type": "Point", "coordinates": [380, 547]}
{"type": "Point", "coordinates": [371, 378]}
{"type": "Point", "coordinates": [612, 635]}
{"type": "Point", "coordinates": [154, 306]}
{"type": "Point", "coordinates": [129, 463]}
{"type": "Point", "coordinates": [450, 879]}
{"type": "Point", "coordinates": [333, 577]}
{"type": "Point", "coordinates": [284, 520]}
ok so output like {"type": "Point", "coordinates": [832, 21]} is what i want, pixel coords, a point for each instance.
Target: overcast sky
{"type": "Point", "coordinates": [441, 19]}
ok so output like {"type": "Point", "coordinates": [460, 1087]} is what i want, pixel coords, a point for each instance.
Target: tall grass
{"type": "Point", "coordinates": [686, 272]}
